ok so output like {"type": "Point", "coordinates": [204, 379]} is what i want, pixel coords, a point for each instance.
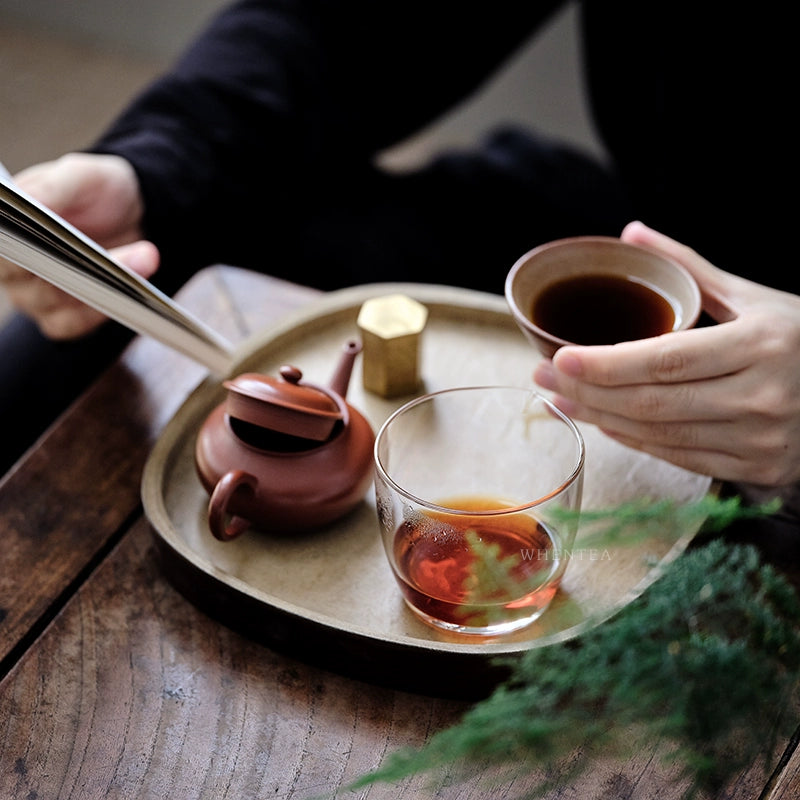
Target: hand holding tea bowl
{"type": "Point", "coordinates": [719, 399]}
{"type": "Point", "coordinates": [591, 290]}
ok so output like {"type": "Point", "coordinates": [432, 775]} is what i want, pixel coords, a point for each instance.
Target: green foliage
{"type": "Point", "coordinates": [706, 660]}
{"type": "Point", "coordinates": [635, 521]}
{"type": "Point", "coordinates": [495, 580]}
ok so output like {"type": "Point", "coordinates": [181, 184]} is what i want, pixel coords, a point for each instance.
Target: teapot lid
{"type": "Point", "coordinates": [288, 406]}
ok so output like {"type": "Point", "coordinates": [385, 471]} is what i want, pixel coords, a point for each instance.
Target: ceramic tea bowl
{"type": "Point", "coordinates": [598, 290]}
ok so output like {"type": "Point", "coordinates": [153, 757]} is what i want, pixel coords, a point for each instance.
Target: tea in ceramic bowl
{"type": "Point", "coordinates": [593, 290]}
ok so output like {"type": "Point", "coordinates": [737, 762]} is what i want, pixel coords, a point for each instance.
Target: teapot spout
{"type": "Point", "coordinates": [341, 378]}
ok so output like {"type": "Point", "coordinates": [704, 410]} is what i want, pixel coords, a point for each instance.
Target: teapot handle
{"type": "Point", "coordinates": [223, 528]}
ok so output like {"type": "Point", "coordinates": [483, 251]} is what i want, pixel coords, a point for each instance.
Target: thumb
{"type": "Point", "coordinates": [724, 295]}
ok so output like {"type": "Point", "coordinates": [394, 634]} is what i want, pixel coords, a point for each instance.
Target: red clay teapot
{"type": "Point", "coordinates": [283, 455]}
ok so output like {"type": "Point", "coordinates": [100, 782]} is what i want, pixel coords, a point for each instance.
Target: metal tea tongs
{"type": "Point", "coordinates": [40, 241]}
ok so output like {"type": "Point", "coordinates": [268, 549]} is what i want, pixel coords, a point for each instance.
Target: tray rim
{"type": "Point", "coordinates": [315, 312]}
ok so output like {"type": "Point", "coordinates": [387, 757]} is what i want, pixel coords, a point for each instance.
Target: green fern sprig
{"type": "Point", "coordinates": [706, 661]}
{"type": "Point", "coordinates": [637, 520]}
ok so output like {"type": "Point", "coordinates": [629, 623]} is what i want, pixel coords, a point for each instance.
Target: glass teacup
{"type": "Point", "coordinates": [472, 485]}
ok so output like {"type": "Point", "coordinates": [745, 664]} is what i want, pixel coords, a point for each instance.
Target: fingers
{"type": "Point", "coordinates": [58, 314]}
{"type": "Point", "coordinates": [140, 257]}
{"type": "Point", "coordinates": [653, 404]}
{"type": "Point", "coordinates": [10, 272]}
{"type": "Point", "coordinates": [704, 462]}
{"type": "Point", "coordinates": [731, 371]}
{"type": "Point", "coordinates": [723, 294]}
{"type": "Point", "coordinates": [762, 461]}
{"type": "Point", "coordinates": [66, 322]}
{"type": "Point", "coordinates": [47, 183]}
{"type": "Point", "coordinates": [99, 194]}
{"type": "Point", "coordinates": [672, 358]}
{"type": "Point", "coordinates": [728, 406]}
{"type": "Point", "coordinates": [723, 427]}
{"type": "Point", "coordinates": [722, 400]}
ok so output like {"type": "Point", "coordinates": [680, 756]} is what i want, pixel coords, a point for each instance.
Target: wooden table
{"type": "Point", "coordinates": [115, 686]}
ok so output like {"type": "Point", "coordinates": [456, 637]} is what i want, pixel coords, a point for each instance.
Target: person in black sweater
{"type": "Point", "coordinates": [258, 148]}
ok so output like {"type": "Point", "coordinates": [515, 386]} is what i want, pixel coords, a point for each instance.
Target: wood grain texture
{"type": "Point", "coordinates": [785, 782]}
{"type": "Point", "coordinates": [62, 506]}
{"type": "Point", "coordinates": [132, 692]}
{"type": "Point", "coordinates": [117, 687]}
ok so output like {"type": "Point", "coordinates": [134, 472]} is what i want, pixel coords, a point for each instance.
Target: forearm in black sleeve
{"type": "Point", "coordinates": [274, 92]}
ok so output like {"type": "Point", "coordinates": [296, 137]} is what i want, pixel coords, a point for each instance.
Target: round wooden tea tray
{"type": "Point", "coordinates": [329, 597]}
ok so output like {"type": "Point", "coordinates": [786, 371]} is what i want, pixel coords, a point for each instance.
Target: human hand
{"type": "Point", "coordinates": [99, 195]}
{"type": "Point", "coordinates": [722, 400]}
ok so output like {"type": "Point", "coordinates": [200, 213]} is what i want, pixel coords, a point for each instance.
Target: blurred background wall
{"type": "Point", "coordinates": [68, 67]}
